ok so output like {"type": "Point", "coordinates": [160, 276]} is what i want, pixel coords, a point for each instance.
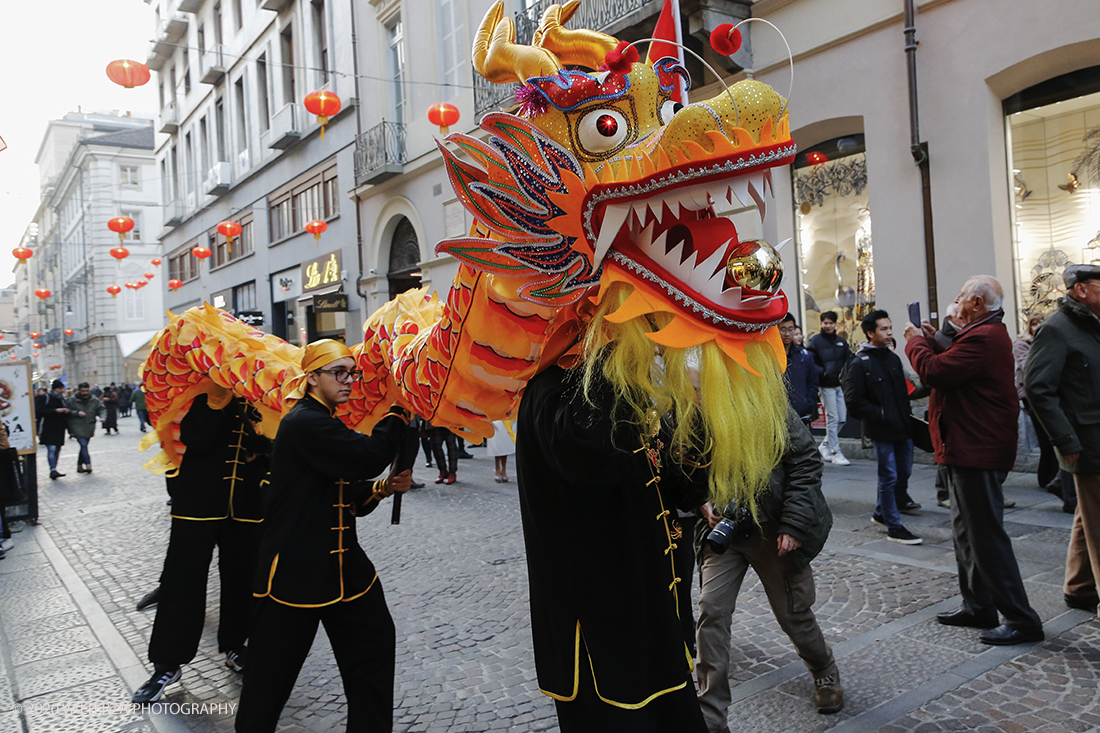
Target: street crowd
{"type": "Point", "coordinates": [283, 513]}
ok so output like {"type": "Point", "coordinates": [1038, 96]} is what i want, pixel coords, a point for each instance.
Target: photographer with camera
{"type": "Point", "coordinates": [793, 524]}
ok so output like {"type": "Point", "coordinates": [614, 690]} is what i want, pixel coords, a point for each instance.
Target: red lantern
{"type": "Point", "coordinates": [156, 261]}
{"type": "Point", "coordinates": [35, 334]}
{"type": "Point", "coordinates": [148, 275]}
{"type": "Point", "coordinates": [175, 284]}
{"type": "Point", "coordinates": [35, 355]}
{"type": "Point", "coordinates": [443, 114]}
{"type": "Point", "coordinates": [324, 104]}
{"type": "Point", "coordinates": [22, 254]}
{"type": "Point", "coordinates": [69, 332]}
{"type": "Point", "coordinates": [229, 230]}
{"type": "Point", "coordinates": [201, 252]}
{"type": "Point", "coordinates": [130, 286]}
{"type": "Point", "coordinates": [120, 224]}
{"type": "Point", "coordinates": [37, 346]}
{"type": "Point", "coordinates": [316, 227]}
{"type": "Point", "coordinates": [141, 284]}
{"type": "Point", "coordinates": [127, 73]}
{"type": "Point", "coordinates": [43, 293]}
{"type": "Point", "coordinates": [13, 357]}
{"type": "Point", "coordinates": [114, 290]}
{"type": "Point", "coordinates": [1, 337]}
{"type": "Point", "coordinates": [120, 253]}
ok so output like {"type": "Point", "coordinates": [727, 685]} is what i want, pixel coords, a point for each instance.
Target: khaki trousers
{"type": "Point", "coordinates": [1083, 555]}
{"type": "Point", "coordinates": [791, 595]}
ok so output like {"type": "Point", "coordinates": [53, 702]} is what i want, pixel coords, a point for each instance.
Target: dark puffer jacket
{"type": "Point", "coordinates": [801, 379]}
{"type": "Point", "coordinates": [1062, 380]}
{"type": "Point", "coordinates": [793, 503]}
{"type": "Point", "coordinates": [876, 393]}
{"type": "Point", "coordinates": [831, 353]}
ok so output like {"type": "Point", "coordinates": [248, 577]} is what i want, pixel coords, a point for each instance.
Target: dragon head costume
{"type": "Point", "coordinates": [596, 239]}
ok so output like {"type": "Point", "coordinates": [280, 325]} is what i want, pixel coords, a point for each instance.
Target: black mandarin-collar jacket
{"type": "Point", "coordinates": [225, 460]}
{"type": "Point", "coordinates": [598, 531]}
{"type": "Point", "coordinates": [310, 554]}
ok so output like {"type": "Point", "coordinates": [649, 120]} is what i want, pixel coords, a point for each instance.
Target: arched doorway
{"type": "Point", "coordinates": [404, 267]}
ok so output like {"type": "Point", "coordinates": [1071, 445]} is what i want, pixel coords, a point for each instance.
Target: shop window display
{"type": "Point", "coordinates": [834, 234]}
{"type": "Point", "coordinates": [1054, 159]}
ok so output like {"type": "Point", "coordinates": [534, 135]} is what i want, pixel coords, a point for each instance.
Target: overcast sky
{"type": "Point", "coordinates": [52, 59]}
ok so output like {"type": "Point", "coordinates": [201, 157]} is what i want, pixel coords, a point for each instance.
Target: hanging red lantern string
{"type": "Point", "coordinates": [35, 334]}
{"type": "Point", "coordinates": [230, 230]}
{"type": "Point", "coordinates": [114, 290]}
{"type": "Point", "coordinates": [69, 332]}
{"type": "Point", "coordinates": [120, 253]}
{"type": "Point", "coordinates": [13, 357]}
{"type": "Point", "coordinates": [175, 284]}
{"type": "Point", "coordinates": [316, 227]}
{"type": "Point", "coordinates": [444, 115]}
{"type": "Point", "coordinates": [43, 293]}
{"type": "Point", "coordinates": [141, 284]}
{"type": "Point", "coordinates": [22, 254]}
{"type": "Point", "coordinates": [35, 355]}
{"type": "Point", "coordinates": [201, 252]}
{"type": "Point", "coordinates": [148, 275]}
{"type": "Point", "coordinates": [324, 104]}
{"type": "Point", "coordinates": [37, 346]}
{"type": "Point", "coordinates": [156, 261]}
{"type": "Point", "coordinates": [128, 73]}
{"type": "Point", "coordinates": [120, 224]}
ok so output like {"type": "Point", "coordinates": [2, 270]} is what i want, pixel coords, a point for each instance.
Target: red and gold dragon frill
{"type": "Point", "coordinates": [599, 177]}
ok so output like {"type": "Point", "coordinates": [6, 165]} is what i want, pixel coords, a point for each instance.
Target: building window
{"type": "Point", "coordinates": [134, 235]}
{"type": "Point", "coordinates": [1054, 170]}
{"type": "Point", "coordinates": [188, 165]}
{"type": "Point", "coordinates": [286, 49]}
{"type": "Point", "coordinates": [320, 40]}
{"type": "Point", "coordinates": [186, 78]}
{"type": "Point", "coordinates": [204, 148]}
{"type": "Point", "coordinates": [242, 118]}
{"type": "Point", "coordinates": [396, 70]}
{"type": "Point", "coordinates": [182, 265]}
{"type": "Point", "coordinates": [242, 244]}
{"type": "Point", "coordinates": [244, 297]}
{"type": "Point", "coordinates": [128, 176]}
{"type": "Point", "coordinates": [452, 47]}
{"type": "Point", "coordinates": [134, 301]}
{"type": "Point", "coordinates": [219, 124]}
{"type": "Point", "coordinates": [261, 87]}
{"type": "Point", "coordinates": [314, 195]}
{"type": "Point", "coordinates": [833, 230]}
{"type": "Point", "coordinates": [238, 15]}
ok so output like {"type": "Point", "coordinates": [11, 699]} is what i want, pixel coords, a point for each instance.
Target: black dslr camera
{"type": "Point", "coordinates": [735, 520]}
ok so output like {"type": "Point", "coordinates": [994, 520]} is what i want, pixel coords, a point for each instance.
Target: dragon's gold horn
{"type": "Point", "coordinates": [573, 47]}
{"type": "Point", "coordinates": [498, 57]}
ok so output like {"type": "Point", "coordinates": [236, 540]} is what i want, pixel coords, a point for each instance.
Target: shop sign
{"type": "Point", "coordinates": [251, 318]}
{"type": "Point", "coordinates": [17, 406]}
{"type": "Point", "coordinates": [330, 303]}
{"type": "Point", "coordinates": [322, 272]}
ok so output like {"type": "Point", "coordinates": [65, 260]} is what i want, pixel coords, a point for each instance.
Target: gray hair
{"type": "Point", "coordinates": [985, 287]}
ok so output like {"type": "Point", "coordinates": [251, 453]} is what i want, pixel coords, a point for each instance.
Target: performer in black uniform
{"type": "Point", "coordinates": [311, 567]}
{"type": "Point", "coordinates": [598, 497]}
{"type": "Point", "coordinates": [215, 501]}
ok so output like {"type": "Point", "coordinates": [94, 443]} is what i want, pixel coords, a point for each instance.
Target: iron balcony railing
{"type": "Point", "coordinates": [380, 153]}
{"type": "Point", "coordinates": [594, 14]}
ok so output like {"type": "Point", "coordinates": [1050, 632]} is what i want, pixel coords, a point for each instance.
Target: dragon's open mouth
{"type": "Point", "coordinates": [666, 231]}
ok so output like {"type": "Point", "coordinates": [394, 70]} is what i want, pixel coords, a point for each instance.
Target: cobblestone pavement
{"type": "Point", "coordinates": [455, 579]}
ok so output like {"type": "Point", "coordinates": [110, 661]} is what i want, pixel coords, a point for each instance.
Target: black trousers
{"type": "Point", "coordinates": [673, 712]}
{"type": "Point", "coordinates": [181, 608]}
{"type": "Point", "coordinates": [989, 577]}
{"type": "Point", "coordinates": [439, 437]}
{"type": "Point", "coordinates": [363, 641]}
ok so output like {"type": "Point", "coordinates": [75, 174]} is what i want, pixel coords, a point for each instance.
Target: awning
{"type": "Point", "coordinates": [131, 341]}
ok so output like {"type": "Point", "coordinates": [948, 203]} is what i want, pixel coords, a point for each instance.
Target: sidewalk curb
{"type": "Point", "coordinates": [122, 656]}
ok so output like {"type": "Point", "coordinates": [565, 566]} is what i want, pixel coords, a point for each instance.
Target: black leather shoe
{"type": "Point", "coordinates": [1005, 635]}
{"type": "Point", "coordinates": [959, 617]}
{"type": "Point", "coordinates": [149, 599]}
{"type": "Point", "coordinates": [1085, 603]}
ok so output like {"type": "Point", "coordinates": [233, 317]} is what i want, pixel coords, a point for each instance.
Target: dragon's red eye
{"type": "Point", "coordinates": [607, 125]}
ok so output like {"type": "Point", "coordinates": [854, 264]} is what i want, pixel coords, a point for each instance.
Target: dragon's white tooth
{"type": "Point", "coordinates": [700, 197]}
{"type": "Point", "coordinates": [713, 287]}
{"type": "Point", "coordinates": [729, 194]}
{"type": "Point", "coordinates": [782, 244]}
{"type": "Point", "coordinates": [613, 219]}
{"type": "Point", "coordinates": [688, 266]}
{"type": "Point", "coordinates": [718, 193]}
{"type": "Point", "coordinates": [756, 190]}
{"type": "Point", "coordinates": [731, 298]}
{"type": "Point", "coordinates": [740, 188]}
{"type": "Point", "coordinates": [671, 260]}
{"type": "Point", "coordinates": [638, 209]}
{"type": "Point", "coordinates": [643, 239]}
{"type": "Point", "coordinates": [673, 205]}
{"type": "Point", "coordinates": [704, 271]}
{"type": "Point", "coordinates": [656, 208]}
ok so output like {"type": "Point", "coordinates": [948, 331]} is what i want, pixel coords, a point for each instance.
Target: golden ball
{"type": "Point", "coordinates": [755, 265]}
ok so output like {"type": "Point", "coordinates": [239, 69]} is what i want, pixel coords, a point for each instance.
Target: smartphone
{"type": "Point", "coordinates": [914, 314]}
